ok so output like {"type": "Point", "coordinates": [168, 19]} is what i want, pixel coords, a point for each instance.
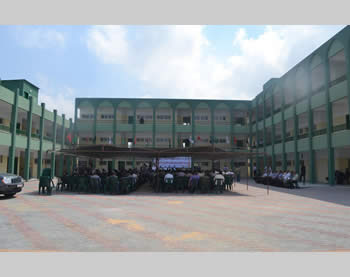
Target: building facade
{"type": "Point", "coordinates": [28, 131]}
{"type": "Point", "coordinates": [161, 123]}
{"type": "Point", "coordinates": [300, 118]}
{"type": "Point", "coordinates": [303, 116]}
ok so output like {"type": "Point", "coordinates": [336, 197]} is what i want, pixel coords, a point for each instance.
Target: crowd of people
{"type": "Point", "coordinates": [281, 178]}
{"type": "Point", "coordinates": [195, 179]}
{"type": "Point", "coordinates": [158, 177]}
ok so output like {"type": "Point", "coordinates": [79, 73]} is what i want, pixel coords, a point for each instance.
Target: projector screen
{"type": "Point", "coordinates": [176, 162]}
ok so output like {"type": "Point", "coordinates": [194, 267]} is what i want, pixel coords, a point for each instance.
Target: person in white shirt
{"type": "Point", "coordinates": [168, 176]}
{"type": "Point", "coordinates": [219, 176]}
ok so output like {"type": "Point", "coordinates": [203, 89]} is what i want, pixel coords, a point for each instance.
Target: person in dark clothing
{"type": "Point", "coordinates": [302, 173]}
{"type": "Point", "coordinates": [142, 121]}
{"type": "Point", "coordinates": [347, 175]}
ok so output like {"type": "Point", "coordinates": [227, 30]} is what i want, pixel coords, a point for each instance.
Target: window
{"type": "Point", "coordinates": [317, 74]}
{"type": "Point", "coordinates": [201, 117]}
{"type": "Point", "coordinates": [144, 116]}
{"type": "Point", "coordinates": [186, 120]}
{"type": "Point", "coordinates": [163, 117]}
{"type": "Point", "coordinates": [288, 92]}
{"type": "Point", "coordinates": [107, 116]}
{"type": "Point", "coordinates": [87, 116]}
{"type": "Point", "coordinates": [337, 65]}
{"type": "Point", "coordinates": [340, 112]}
{"type": "Point", "coordinates": [301, 83]}
{"type": "Point", "coordinates": [220, 117]}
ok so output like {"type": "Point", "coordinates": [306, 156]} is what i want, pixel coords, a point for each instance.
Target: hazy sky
{"type": "Point", "coordinates": [213, 62]}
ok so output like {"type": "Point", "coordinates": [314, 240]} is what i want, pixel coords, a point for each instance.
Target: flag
{"type": "Point", "coordinates": [69, 138]}
{"type": "Point", "coordinates": [198, 138]}
{"type": "Point", "coordinates": [234, 140]}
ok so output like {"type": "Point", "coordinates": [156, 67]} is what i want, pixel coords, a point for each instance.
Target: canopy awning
{"type": "Point", "coordinates": [107, 151]}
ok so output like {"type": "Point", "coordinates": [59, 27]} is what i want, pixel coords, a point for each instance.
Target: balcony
{"type": "Point", "coordinates": [21, 132]}
{"type": "Point", "coordinates": [319, 132]}
{"type": "Point", "coordinates": [4, 128]}
{"type": "Point", "coordinates": [341, 127]}
{"type": "Point", "coordinates": [302, 136]}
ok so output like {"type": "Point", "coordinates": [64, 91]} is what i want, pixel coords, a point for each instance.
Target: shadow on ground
{"type": "Point", "coordinates": [334, 194]}
{"type": "Point", "coordinates": [141, 193]}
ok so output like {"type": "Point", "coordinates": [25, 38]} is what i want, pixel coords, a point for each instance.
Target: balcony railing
{"type": "Point", "coordinates": [278, 140]}
{"type": "Point", "coordinates": [319, 132]}
{"type": "Point", "coordinates": [36, 136]}
{"type": "Point", "coordinates": [5, 128]}
{"type": "Point", "coordinates": [289, 139]}
{"type": "Point", "coordinates": [48, 138]}
{"type": "Point", "coordinates": [302, 136]}
{"type": "Point", "coordinates": [341, 127]}
{"type": "Point", "coordinates": [21, 132]}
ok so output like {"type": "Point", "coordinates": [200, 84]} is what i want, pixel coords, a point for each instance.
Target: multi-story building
{"type": "Point", "coordinates": [303, 116]}
{"type": "Point", "coordinates": [162, 123]}
{"type": "Point", "coordinates": [300, 118]}
{"type": "Point", "coordinates": [28, 131]}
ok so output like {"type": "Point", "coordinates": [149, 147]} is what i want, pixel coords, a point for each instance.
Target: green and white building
{"type": "Point", "coordinates": [300, 117]}
{"type": "Point", "coordinates": [28, 131]}
{"type": "Point", "coordinates": [166, 123]}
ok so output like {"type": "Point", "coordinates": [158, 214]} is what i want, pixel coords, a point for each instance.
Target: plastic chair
{"type": "Point", "coordinates": [45, 185]}
{"type": "Point", "coordinates": [83, 183]}
{"type": "Point", "coordinates": [218, 185]}
{"type": "Point", "coordinates": [194, 185]}
{"type": "Point", "coordinates": [113, 185]}
{"type": "Point", "coordinates": [168, 184]}
{"type": "Point", "coordinates": [204, 184]}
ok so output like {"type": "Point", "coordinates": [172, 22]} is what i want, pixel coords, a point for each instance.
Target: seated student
{"type": "Point", "coordinates": [294, 180]}
{"type": "Point", "coordinates": [274, 178]}
{"type": "Point", "coordinates": [168, 176]}
{"type": "Point", "coordinates": [193, 182]}
{"type": "Point", "coordinates": [286, 179]}
{"type": "Point", "coordinates": [279, 179]}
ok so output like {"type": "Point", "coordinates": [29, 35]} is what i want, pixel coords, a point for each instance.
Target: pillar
{"type": "Point", "coordinates": [114, 131]}
{"type": "Point", "coordinates": [174, 125]}
{"type": "Point", "coordinates": [264, 128]}
{"type": "Point", "coordinates": [330, 149]}
{"type": "Point", "coordinates": [284, 160]}
{"type": "Point", "coordinates": [13, 128]}
{"type": "Point", "coordinates": [42, 126]}
{"type": "Point", "coordinates": [70, 158]}
{"type": "Point", "coordinates": [53, 154]}
{"type": "Point", "coordinates": [29, 137]}
{"type": "Point", "coordinates": [134, 134]}
{"type": "Point", "coordinates": [154, 126]}
{"type": "Point", "coordinates": [273, 158]}
{"type": "Point", "coordinates": [296, 127]}
{"type": "Point", "coordinates": [60, 170]}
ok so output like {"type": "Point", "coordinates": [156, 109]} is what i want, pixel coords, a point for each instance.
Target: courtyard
{"type": "Point", "coordinates": [313, 218]}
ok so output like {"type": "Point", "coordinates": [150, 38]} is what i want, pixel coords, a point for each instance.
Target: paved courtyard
{"type": "Point", "coordinates": [314, 218]}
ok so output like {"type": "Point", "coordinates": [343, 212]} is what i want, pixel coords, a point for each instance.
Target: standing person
{"type": "Point", "coordinates": [254, 170]}
{"type": "Point", "coordinates": [302, 173]}
{"type": "Point", "coordinates": [238, 174]}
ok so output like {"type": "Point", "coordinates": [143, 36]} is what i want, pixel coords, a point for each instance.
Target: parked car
{"type": "Point", "coordinates": [10, 184]}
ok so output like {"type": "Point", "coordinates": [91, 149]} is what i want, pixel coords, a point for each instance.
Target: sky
{"type": "Point", "coordinates": [199, 62]}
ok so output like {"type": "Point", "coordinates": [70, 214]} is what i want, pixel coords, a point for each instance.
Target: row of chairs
{"type": "Point", "coordinates": [203, 185]}
{"type": "Point", "coordinates": [110, 184]}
